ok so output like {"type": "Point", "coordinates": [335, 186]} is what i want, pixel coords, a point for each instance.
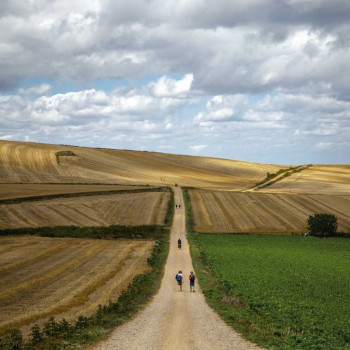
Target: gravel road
{"type": "Point", "coordinates": [174, 319]}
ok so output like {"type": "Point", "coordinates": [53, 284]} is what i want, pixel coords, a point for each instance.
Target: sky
{"type": "Point", "coordinates": [256, 80]}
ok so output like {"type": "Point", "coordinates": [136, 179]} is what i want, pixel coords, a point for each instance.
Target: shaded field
{"type": "Point", "coordinates": [284, 292]}
{"type": "Point", "coordinates": [322, 179]}
{"type": "Point", "coordinates": [63, 277]}
{"type": "Point", "coordinates": [252, 212]}
{"type": "Point", "coordinates": [14, 191]}
{"type": "Point", "coordinates": [22, 162]}
{"type": "Point", "coordinates": [144, 208]}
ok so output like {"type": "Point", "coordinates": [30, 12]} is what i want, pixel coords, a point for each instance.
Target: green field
{"type": "Point", "coordinates": [284, 292]}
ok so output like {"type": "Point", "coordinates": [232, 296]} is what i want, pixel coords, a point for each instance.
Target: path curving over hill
{"type": "Point", "coordinates": [176, 320]}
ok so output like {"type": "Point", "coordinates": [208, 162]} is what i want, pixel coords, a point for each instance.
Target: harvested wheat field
{"type": "Point", "coordinates": [11, 191]}
{"type": "Point", "coordinates": [144, 208]}
{"type": "Point", "coordinates": [64, 277]}
{"type": "Point", "coordinates": [22, 162]}
{"type": "Point", "coordinates": [262, 212]}
{"type": "Point", "coordinates": [325, 179]}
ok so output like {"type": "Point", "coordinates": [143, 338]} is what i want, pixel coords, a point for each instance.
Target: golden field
{"type": "Point", "coordinates": [325, 179]}
{"type": "Point", "coordinates": [32, 169]}
{"type": "Point", "coordinates": [22, 162]}
{"type": "Point", "coordinates": [9, 191]}
{"type": "Point", "coordinates": [70, 277]}
{"type": "Point", "coordinates": [64, 277]}
{"type": "Point", "coordinates": [144, 208]}
{"type": "Point", "coordinates": [252, 212]}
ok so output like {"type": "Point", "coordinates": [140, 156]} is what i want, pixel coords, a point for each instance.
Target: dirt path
{"type": "Point", "coordinates": [176, 320]}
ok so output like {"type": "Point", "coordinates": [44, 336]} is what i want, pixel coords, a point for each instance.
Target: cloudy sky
{"type": "Point", "coordinates": [258, 80]}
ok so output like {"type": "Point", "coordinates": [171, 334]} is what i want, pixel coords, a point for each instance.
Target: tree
{"type": "Point", "coordinates": [322, 225]}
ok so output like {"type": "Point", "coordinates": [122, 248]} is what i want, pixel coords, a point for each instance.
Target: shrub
{"type": "Point", "coordinates": [36, 335]}
{"type": "Point", "coordinates": [322, 225]}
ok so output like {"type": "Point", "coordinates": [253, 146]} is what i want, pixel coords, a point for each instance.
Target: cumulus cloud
{"type": "Point", "coordinates": [166, 87]}
{"type": "Point", "coordinates": [241, 46]}
{"type": "Point", "coordinates": [257, 71]}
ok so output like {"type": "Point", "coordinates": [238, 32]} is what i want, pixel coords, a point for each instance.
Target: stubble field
{"type": "Point", "coordinates": [252, 212]}
{"type": "Point", "coordinates": [64, 277]}
{"type": "Point", "coordinates": [144, 208]}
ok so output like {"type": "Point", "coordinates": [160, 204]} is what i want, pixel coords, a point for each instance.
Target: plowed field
{"type": "Point", "coordinates": [264, 213]}
{"type": "Point", "coordinates": [41, 277]}
{"type": "Point", "coordinates": [144, 208]}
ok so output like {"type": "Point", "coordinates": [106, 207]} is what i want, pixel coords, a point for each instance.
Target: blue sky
{"type": "Point", "coordinates": [257, 80]}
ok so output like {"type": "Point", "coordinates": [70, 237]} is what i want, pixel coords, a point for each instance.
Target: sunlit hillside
{"type": "Point", "coordinates": [322, 179]}
{"type": "Point", "coordinates": [22, 162]}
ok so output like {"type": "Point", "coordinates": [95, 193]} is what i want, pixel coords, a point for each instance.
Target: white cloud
{"type": "Point", "coordinates": [231, 73]}
{"type": "Point", "coordinates": [167, 87]}
{"type": "Point", "coordinates": [198, 148]}
{"type": "Point", "coordinates": [35, 90]}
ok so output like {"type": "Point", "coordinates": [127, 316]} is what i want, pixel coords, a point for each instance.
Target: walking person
{"type": "Point", "coordinates": [179, 243]}
{"type": "Point", "coordinates": [192, 278]}
{"type": "Point", "coordinates": [178, 278]}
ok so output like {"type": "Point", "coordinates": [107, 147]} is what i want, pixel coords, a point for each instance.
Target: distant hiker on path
{"type": "Point", "coordinates": [179, 243]}
{"type": "Point", "coordinates": [178, 278]}
{"type": "Point", "coordinates": [192, 278]}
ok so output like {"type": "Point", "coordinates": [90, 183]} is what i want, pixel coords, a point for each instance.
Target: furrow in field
{"type": "Point", "coordinates": [222, 203]}
{"type": "Point", "coordinates": [35, 214]}
{"type": "Point", "coordinates": [112, 211]}
{"type": "Point", "coordinates": [280, 213]}
{"type": "Point", "coordinates": [14, 217]}
{"type": "Point", "coordinates": [245, 220]}
{"type": "Point", "coordinates": [295, 220]}
{"type": "Point", "coordinates": [64, 217]}
{"type": "Point", "coordinates": [108, 288]}
{"type": "Point", "coordinates": [31, 259]}
{"type": "Point", "coordinates": [199, 209]}
{"type": "Point", "coordinates": [10, 292]}
{"type": "Point", "coordinates": [340, 210]}
{"type": "Point", "coordinates": [83, 288]}
{"type": "Point", "coordinates": [15, 247]}
{"type": "Point", "coordinates": [244, 202]}
{"type": "Point", "coordinates": [159, 216]}
{"type": "Point", "coordinates": [216, 215]}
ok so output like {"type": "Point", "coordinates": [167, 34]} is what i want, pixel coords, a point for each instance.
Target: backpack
{"type": "Point", "coordinates": [178, 277]}
{"type": "Point", "coordinates": [192, 278]}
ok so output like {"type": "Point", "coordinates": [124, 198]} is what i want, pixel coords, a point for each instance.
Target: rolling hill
{"type": "Point", "coordinates": [22, 162]}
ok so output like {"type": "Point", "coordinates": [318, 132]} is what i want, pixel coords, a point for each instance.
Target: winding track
{"type": "Point", "coordinates": [176, 320]}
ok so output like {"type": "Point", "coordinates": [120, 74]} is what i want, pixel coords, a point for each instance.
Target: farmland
{"type": "Point", "coordinates": [286, 292]}
{"type": "Point", "coordinates": [144, 208]}
{"type": "Point", "coordinates": [17, 191]}
{"type": "Point", "coordinates": [63, 277]}
{"type": "Point", "coordinates": [22, 162]}
{"type": "Point", "coordinates": [320, 179]}
{"type": "Point", "coordinates": [253, 212]}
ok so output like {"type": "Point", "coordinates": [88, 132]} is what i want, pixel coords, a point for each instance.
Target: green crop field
{"type": "Point", "coordinates": [284, 292]}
